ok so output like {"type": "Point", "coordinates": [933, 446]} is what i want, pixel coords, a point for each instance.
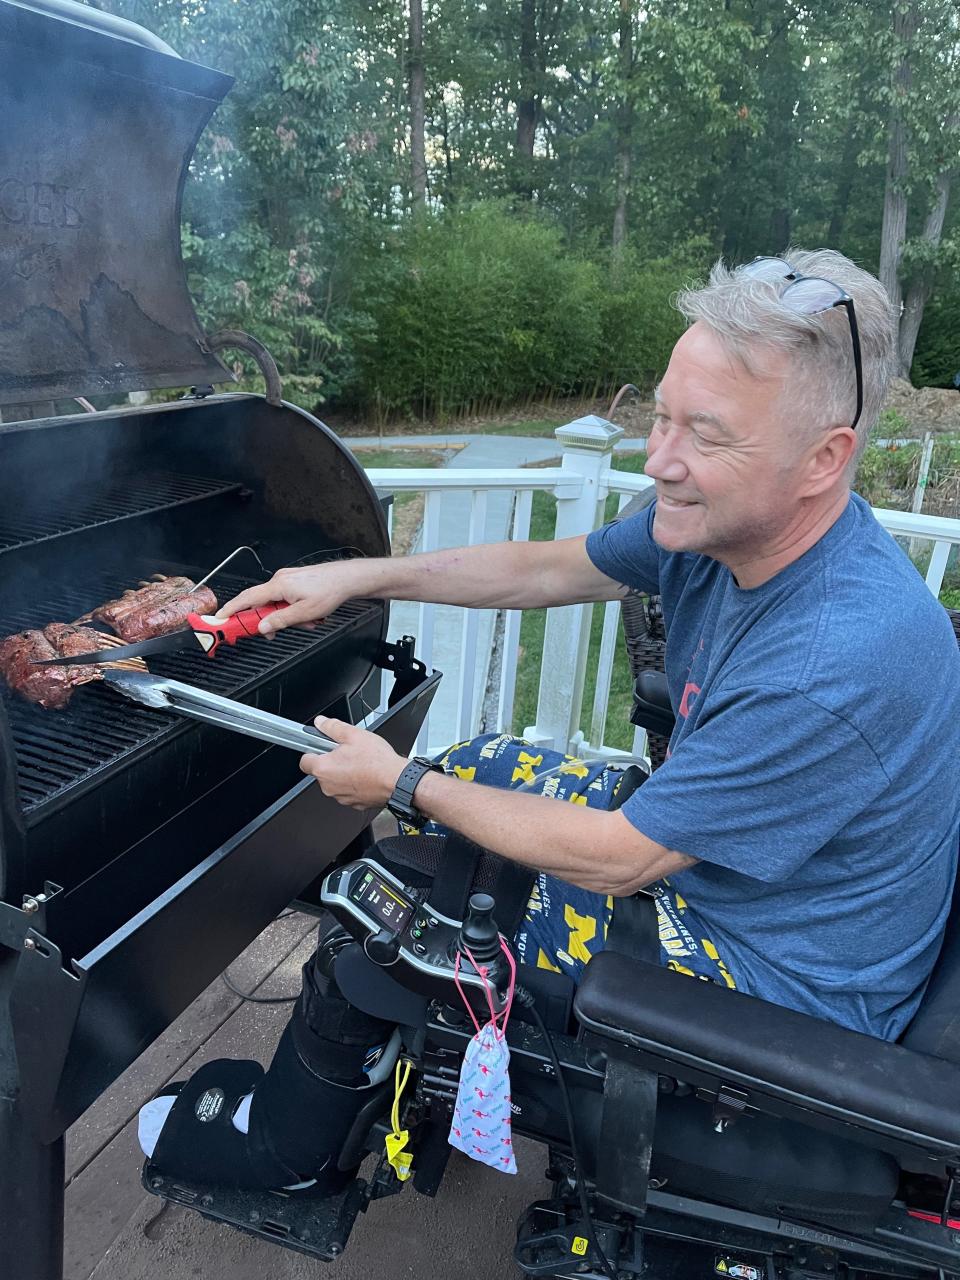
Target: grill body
{"type": "Point", "coordinates": [90, 506]}
{"type": "Point", "coordinates": [140, 852]}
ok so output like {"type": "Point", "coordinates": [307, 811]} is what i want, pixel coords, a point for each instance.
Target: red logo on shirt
{"type": "Point", "coordinates": [690, 692]}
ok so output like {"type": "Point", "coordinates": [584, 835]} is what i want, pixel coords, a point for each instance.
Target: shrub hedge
{"type": "Point", "coordinates": [481, 308]}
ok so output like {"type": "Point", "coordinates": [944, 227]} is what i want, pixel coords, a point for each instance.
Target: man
{"type": "Point", "coordinates": [802, 836]}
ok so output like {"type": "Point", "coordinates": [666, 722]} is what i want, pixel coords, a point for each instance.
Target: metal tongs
{"type": "Point", "coordinates": [173, 695]}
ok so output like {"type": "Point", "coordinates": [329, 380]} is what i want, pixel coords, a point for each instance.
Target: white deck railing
{"type": "Point", "coordinates": [479, 652]}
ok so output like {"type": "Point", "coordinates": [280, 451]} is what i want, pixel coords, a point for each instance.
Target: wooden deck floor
{"type": "Point", "coordinates": [115, 1231]}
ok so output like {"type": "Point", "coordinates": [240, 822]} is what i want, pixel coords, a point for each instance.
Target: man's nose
{"type": "Point", "coordinates": [664, 462]}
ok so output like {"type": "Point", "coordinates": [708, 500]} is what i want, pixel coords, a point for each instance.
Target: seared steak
{"type": "Point", "coordinates": [170, 615]}
{"type": "Point", "coordinates": [72, 641]}
{"type": "Point", "coordinates": [49, 687]}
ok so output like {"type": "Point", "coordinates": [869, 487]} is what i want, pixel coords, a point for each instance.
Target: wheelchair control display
{"type": "Point", "coordinates": [397, 927]}
{"type": "Point", "coordinates": [382, 901]}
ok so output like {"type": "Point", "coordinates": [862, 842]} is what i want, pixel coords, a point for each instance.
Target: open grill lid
{"type": "Point", "coordinates": [98, 133]}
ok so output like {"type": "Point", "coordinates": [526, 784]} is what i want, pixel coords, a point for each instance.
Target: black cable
{"type": "Point", "coordinates": [527, 1000]}
{"type": "Point", "coordinates": [248, 996]}
{"type": "Point", "coordinates": [251, 999]}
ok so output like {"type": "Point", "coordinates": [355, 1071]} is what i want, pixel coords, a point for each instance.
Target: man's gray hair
{"type": "Point", "coordinates": [746, 315]}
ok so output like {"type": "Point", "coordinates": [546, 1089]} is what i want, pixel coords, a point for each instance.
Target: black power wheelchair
{"type": "Point", "coordinates": [690, 1130]}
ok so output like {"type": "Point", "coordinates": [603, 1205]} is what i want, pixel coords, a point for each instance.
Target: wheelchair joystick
{"type": "Point", "coordinates": [398, 929]}
{"type": "Point", "coordinates": [383, 947]}
{"type": "Point", "coordinates": [478, 933]}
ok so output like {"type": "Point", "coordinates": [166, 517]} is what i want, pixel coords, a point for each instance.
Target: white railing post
{"type": "Point", "coordinates": [587, 449]}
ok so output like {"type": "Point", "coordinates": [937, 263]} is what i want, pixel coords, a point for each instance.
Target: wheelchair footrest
{"type": "Point", "coordinates": [317, 1225]}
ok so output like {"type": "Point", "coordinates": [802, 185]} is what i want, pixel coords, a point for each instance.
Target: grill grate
{"type": "Point", "coordinates": [58, 749]}
{"type": "Point", "coordinates": [138, 495]}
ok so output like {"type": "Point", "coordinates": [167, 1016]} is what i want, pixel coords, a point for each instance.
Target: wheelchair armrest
{"type": "Point", "coordinates": [774, 1060]}
{"type": "Point", "coordinates": [652, 709]}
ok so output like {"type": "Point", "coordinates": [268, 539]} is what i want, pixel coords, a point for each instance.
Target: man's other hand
{"type": "Point", "coordinates": [361, 771]}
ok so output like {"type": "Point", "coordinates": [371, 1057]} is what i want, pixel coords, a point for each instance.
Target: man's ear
{"type": "Point", "coordinates": [828, 460]}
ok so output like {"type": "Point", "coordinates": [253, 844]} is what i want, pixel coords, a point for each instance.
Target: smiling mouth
{"type": "Point", "coordinates": [674, 503]}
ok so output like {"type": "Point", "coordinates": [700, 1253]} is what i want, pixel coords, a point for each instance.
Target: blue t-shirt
{"type": "Point", "coordinates": [814, 767]}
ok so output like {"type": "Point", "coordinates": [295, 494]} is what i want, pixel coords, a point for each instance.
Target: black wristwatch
{"type": "Point", "coordinates": [401, 803]}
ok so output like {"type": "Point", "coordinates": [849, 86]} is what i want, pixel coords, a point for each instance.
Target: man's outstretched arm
{"type": "Point", "coordinates": [498, 575]}
{"type": "Point", "coordinates": [592, 848]}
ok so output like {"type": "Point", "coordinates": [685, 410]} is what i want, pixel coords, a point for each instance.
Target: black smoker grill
{"type": "Point", "coordinates": [139, 852]}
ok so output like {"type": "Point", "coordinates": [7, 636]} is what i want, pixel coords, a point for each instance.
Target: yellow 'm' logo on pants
{"type": "Point", "coordinates": [525, 765]}
{"type": "Point", "coordinates": [467, 773]}
{"type": "Point", "coordinates": [576, 767]}
{"type": "Point", "coordinates": [582, 929]}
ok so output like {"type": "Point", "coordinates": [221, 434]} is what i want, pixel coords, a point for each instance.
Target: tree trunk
{"type": "Point", "coordinates": [894, 230]}
{"type": "Point", "coordinates": [527, 100]}
{"type": "Point", "coordinates": [624, 136]}
{"type": "Point", "coordinates": [418, 93]}
{"type": "Point", "coordinates": [527, 97]}
{"type": "Point", "coordinates": [784, 94]}
{"type": "Point", "coordinates": [848, 168]}
{"type": "Point", "coordinates": [920, 289]}
{"type": "Point", "coordinates": [449, 195]}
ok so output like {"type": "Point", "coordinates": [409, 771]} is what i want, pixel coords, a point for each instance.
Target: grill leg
{"type": "Point", "coordinates": [31, 1174]}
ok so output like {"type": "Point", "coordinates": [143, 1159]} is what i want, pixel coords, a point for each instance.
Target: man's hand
{"type": "Point", "coordinates": [312, 592]}
{"type": "Point", "coordinates": [361, 771]}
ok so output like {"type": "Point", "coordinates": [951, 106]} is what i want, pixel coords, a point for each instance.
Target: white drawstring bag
{"type": "Point", "coordinates": [481, 1125]}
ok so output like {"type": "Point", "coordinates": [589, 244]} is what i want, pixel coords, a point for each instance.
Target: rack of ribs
{"type": "Point", "coordinates": [154, 609]}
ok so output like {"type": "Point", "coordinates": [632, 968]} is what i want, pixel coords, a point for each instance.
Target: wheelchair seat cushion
{"type": "Point", "coordinates": [764, 1164]}
{"type": "Point", "coordinates": [787, 1062]}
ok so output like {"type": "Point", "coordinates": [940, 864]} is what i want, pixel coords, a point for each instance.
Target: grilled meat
{"type": "Point", "coordinates": [72, 641]}
{"type": "Point", "coordinates": [170, 615]}
{"type": "Point", "coordinates": [49, 687]}
{"type": "Point", "coordinates": [52, 687]}
{"type": "Point", "coordinates": [147, 595]}
{"type": "Point", "coordinates": [155, 609]}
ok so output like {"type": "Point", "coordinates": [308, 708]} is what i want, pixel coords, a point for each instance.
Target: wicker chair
{"type": "Point", "coordinates": [644, 633]}
{"type": "Point", "coordinates": [646, 638]}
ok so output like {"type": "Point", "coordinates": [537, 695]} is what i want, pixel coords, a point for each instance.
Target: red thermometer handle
{"type": "Point", "coordinates": [212, 633]}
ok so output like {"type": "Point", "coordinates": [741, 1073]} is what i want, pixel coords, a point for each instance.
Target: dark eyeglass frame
{"type": "Point", "coordinates": [843, 299]}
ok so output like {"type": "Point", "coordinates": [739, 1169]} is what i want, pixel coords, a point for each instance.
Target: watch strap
{"type": "Point", "coordinates": [401, 803]}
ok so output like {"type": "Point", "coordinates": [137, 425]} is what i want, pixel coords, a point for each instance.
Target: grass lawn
{"type": "Point", "coordinates": [619, 729]}
{"type": "Point", "coordinates": [408, 458]}
{"type": "Point", "coordinates": [539, 427]}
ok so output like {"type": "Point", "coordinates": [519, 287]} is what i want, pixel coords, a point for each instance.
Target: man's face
{"type": "Point", "coordinates": [726, 469]}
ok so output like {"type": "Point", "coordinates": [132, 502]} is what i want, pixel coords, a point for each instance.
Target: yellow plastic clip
{"type": "Point", "coordinates": [398, 1157]}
